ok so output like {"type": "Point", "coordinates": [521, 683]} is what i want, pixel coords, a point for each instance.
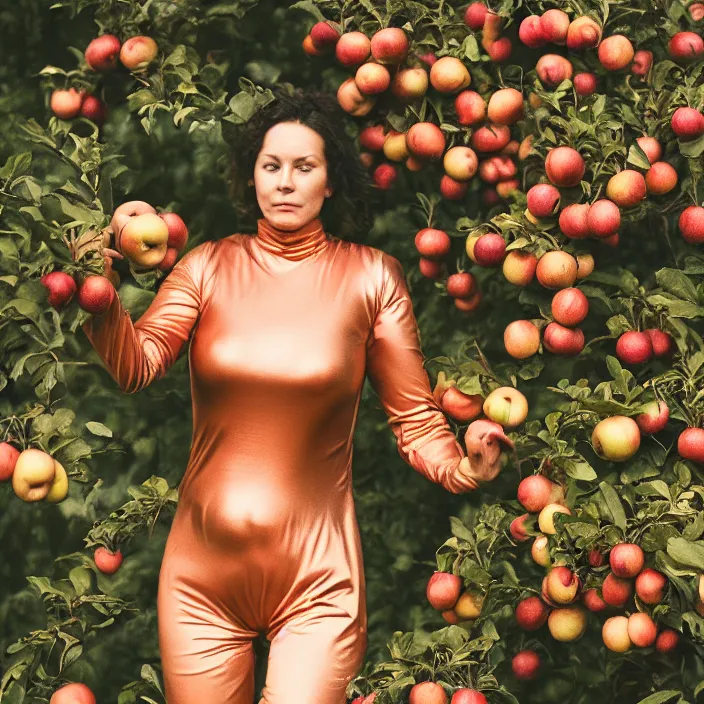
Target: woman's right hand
{"type": "Point", "coordinates": [485, 442]}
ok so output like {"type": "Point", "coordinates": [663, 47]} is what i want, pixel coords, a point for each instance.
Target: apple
{"type": "Point", "coordinates": [596, 558]}
{"type": "Point", "coordinates": [521, 339]}
{"type": "Point", "coordinates": [352, 100]}
{"type": "Point", "coordinates": [470, 107]}
{"type": "Point", "coordinates": [372, 78]}
{"type": "Point", "coordinates": [395, 145]}
{"type": "Point", "coordinates": [95, 294]}
{"type": "Point", "coordinates": [309, 47]}
{"type": "Point", "coordinates": [661, 341]}
{"type": "Point", "coordinates": [573, 221]}
{"type": "Point", "coordinates": [564, 166]}
{"type": "Point", "coordinates": [546, 517]}
{"type": "Point", "coordinates": [531, 32]}
{"type": "Point", "coordinates": [687, 123]}
{"type": "Point", "coordinates": [94, 109]}
{"type": "Point", "coordinates": [593, 601]}
{"type": "Point", "coordinates": [691, 224]}
{"type": "Point", "coordinates": [170, 258]}
{"type": "Point", "coordinates": [450, 616]}
{"type": "Point", "coordinates": [585, 83]}
{"type": "Point", "coordinates": [353, 48]}
{"type": "Point", "coordinates": [33, 475]}
{"type": "Point", "coordinates": [106, 561]}
{"type": "Point", "coordinates": [468, 606]}
{"type": "Point", "coordinates": [178, 232]}
{"type": "Point", "coordinates": [603, 218]}
{"type": "Point", "coordinates": [614, 633]}
{"type": "Point", "coordinates": [460, 163]}
{"type": "Point", "coordinates": [410, 83]}
{"type": "Point", "coordinates": [468, 696]}
{"type": "Point", "coordinates": [138, 52]}
{"type": "Point", "coordinates": [686, 46]}
{"type": "Point", "coordinates": [519, 267]}
{"type": "Point", "coordinates": [511, 149]}
{"type": "Point", "coordinates": [389, 45]}
{"type": "Point", "coordinates": [426, 140]}
{"type": "Point", "coordinates": [690, 444]}
{"type": "Point", "coordinates": [427, 693]}
{"type": "Point", "coordinates": [506, 406]}
{"type": "Point", "coordinates": [443, 590]}
{"type": "Point", "coordinates": [432, 243]}
{"type": "Point", "coordinates": [499, 50]}
{"type": "Point", "coordinates": [489, 249]}
{"type": "Point", "coordinates": [616, 438]}
{"type": "Point", "coordinates": [552, 69]}
{"type": "Point", "coordinates": [569, 307]}
{"type": "Point", "coordinates": [585, 265]}
{"type": "Point", "coordinates": [531, 613]}
{"type": "Point", "coordinates": [460, 406]}
{"type": "Point", "coordinates": [651, 147]}
{"type": "Point", "coordinates": [555, 25]}
{"type": "Point", "coordinates": [505, 188]}
{"type": "Point", "coordinates": [562, 585]}
{"type": "Point", "coordinates": [66, 104]}
{"type": "Point", "coordinates": [474, 15]}
{"type": "Point", "coordinates": [626, 188]}
{"type": "Point", "coordinates": [452, 189]}
{"type": "Point", "coordinates": [667, 641]}
{"type": "Point", "coordinates": [537, 491]}
{"type": "Point", "coordinates": [372, 138]}
{"type": "Point", "coordinates": [556, 270]}
{"type": "Point", "coordinates": [468, 305]}
{"type": "Point", "coordinates": [650, 586]}
{"type": "Point", "coordinates": [505, 106]}
{"type": "Point", "coordinates": [143, 239]}
{"type": "Point", "coordinates": [642, 61]}
{"type": "Point", "coordinates": [429, 58]}
{"type": "Point", "coordinates": [74, 693]}
{"type": "Point", "coordinates": [497, 168]}
{"type": "Point", "coordinates": [567, 624]}
{"type": "Point", "coordinates": [490, 196]}
{"type": "Point", "coordinates": [431, 269]}
{"type": "Point", "coordinates": [526, 665]}
{"type": "Point", "coordinates": [626, 560]}
{"type": "Point", "coordinates": [123, 213]}
{"type": "Point", "coordinates": [539, 551]}
{"type": "Point", "coordinates": [633, 347]}
{"type": "Point", "coordinates": [543, 200]}
{"type": "Point", "coordinates": [642, 630]}
{"type": "Point", "coordinates": [654, 417]}
{"type": "Point", "coordinates": [491, 138]}
{"type": "Point", "coordinates": [384, 176]}
{"type": "Point", "coordinates": [59, 486]}
{"type": "Point", "coordinates": [461, 285]}
{"type": "Point", "coordinates": [696, 11]}
{"type": "Point", "coordinates": [518, 528]}
{"type": "Point", "coordinates": [449, 75]}
{"type": "Point", "coordinates": [562, 340]}
{"type": "Point", "coordinates": [616, 591]}
{"type": "Point", "coordinates": [61, 288]}
{"type": "Point", "coordinates": [661, 178]}
{"type": "Point", "coordinates": [616, 52]}
{"type": "Point", "coordinates": [324, 36]}
{"type": "Point", "coordinates": [583, 33]}
{"type": "Point", "coordinates": [101, 54]}
{"type": "Point", "coordinates": [8, 460]}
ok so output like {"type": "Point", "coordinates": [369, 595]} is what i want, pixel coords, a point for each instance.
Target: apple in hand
{"type": "Point", "coordinates": [8, 460]}
{"type": "Point", "coordinates": [178, 232]}
{"type": "Point", "coordinates": [124, 212]}
{"type": "Point", "coordinates": [143, 240]}
{"type": "Point", "coordinates": [74, 693]}
{"type": "Point", "coordinates": [59, 487]}
{"type": "Point", "coordinates": [61, 288]}
{"type": "Point", "coordinates": [506, 406]}
{"type": "Point", "coordinates": [106, 561]}
{"type": "Point", "coordinates": [34, 475]}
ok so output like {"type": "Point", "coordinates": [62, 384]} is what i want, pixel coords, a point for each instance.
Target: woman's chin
{"type": "Point", "coordinates": [288, 219]}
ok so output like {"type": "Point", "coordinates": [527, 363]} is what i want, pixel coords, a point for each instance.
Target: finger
{"type": "Point", "coordinates": [112, 253]}
{"type": "Point", "coordinates": [500, 436]}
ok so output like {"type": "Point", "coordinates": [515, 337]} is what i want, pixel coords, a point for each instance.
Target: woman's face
{"type": "Point", "coordinates": [290, 175]}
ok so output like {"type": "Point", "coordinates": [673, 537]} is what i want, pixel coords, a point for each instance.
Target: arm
{"type": "Point", "coordinates": [136, 354]}
{"type": "Point", "coordinates": [395, 369]}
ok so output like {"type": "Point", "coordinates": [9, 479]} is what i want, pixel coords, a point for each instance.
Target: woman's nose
{"type": "Point", "coordinates": [286, 182]}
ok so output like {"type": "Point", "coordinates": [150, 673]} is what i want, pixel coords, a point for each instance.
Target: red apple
{"type": "Point", "coordinates": [642, 630]}
{"type": "Point", "coordinates": [650, 586]}
{"type": "Point", "coordinates": [491, 138]}
{"type": "Point", "coordinates": [470, 107]}
{"type": "Point", "coordinates": [626, 188]}
{"type": "Point", "coordinates": [385, 175]}
{"type": "Point", "coordinates": [626, 560]}
{"type": "Point", "coordinates": [556, 269]}
{"type": "Point", "coordinates": [432, 243]}
{"type": "Point", "coordinates": [170, 258]}
{"type": "Point", "coordinates": [552, 69]}
{"type": "Point", "coordinates": [585, 83]}
{"type": "Point", "coordinates": [505, 106]}
{"type": "Point", "coordinates": [555, 25]}
{"type": "Point", "coordinates": [634, 347]}
{"type": "Point", "coordinates": [691, 224]}
{"type": "Point", "coordinates": [431, 269]}
{"type": "Point", "coordinates": [573, 221]}
{"type": "Point", "coordinates": [372, 78]}
{"type": "Point", "coordinates": [592, 600]}
{"type": "Point", "coordinates": [543, 200]}
{"type": "Point", "coordinates": [521, 339]}
{"type": "Point", "coordinates": [352, 100]}
{"type": "Point", "coordinates": [490, 249]}
{"type": "Point", "coordinates": [94, 109]}
{"type": "Point", "coordinates": [106, 561]}
{"type": "Point", "coordinates": [616, 591]}
{"type": "Point", "coordinates": [372, 138]}
{"type": "Point", "coordinates": [460, 406]}
{"type": "Point", "coordinates": [526, 665]}
{"type": "Point", "coordinates": [686, 46]}
{"type": "Point", "coordinates": [603, 218]}
{"type": "Point", "coordinates": [427, 693]}
{"type": "Point", "coordinates": [569, 307]}
{"type": "Point", "coordinates": [66, 104]}
{"type": "Point", "coordinates": [661, 178]}
{"type": "Point", "coordinates": [497, 169]}
{"type": "Point", "coordinates": [138, 52]}
{"type": "Point", "coordinates": [475, 15]}
{"type": "Point", "coordinates": [95, 294]}
{"type": "Point", "coordinates": [651, 147]}
{"type": "Point", "coordinates": [426, 140]}
{"type": "Point", "coordinates": [449, 75]}
{"type": "Point", "coordinates": [443, 590]}
{"type": "Point", "coordinates": [309, 47]}
{"type": "Point", "coordinates": [518, 528]}
{"type": "Point", "coordinates": [467, 305]}
{"type": "Point", "coordinates": [324, 36]}
{"type": "Point", "coordinates": [667, 641]}
{"type": "Point", "coordinates": [389, 45]}
{"type": "Point", "coordinates": [531, 32]}
{"type": "Point", "coordinates": [690, 444]}
{"type": "Point", "coordinates": [583, 33]}
{"type": "Point", "coordinates": [178, 232]}
{"type": "Point", "coordinates": [531, 613]}
{"type": "Point", "coordinates": [452, 189]}
{"type": "Point", "coordinates": [642, 61]}
{"type": "Point", "coordinates": [563, 341]}
{"type": "Point", "coordinates": [661, 341]}
{"type": "Point", "coordinates": [654, 418]}
{"type": "Point", "coordinates": [101, 54]}
{"type": "Point", "coordinates": [687, 123]}
{"type": "Point", "coordinates": [499, 50]}
{"type": "Point", "coordinates": [616, 52]}
{"type": "Point", "coordinates": [468, 696]}
{"type": "Point", "coordinates": [537, 491]}
{"type": "Point", "coordinates": [353, 48]}
{"type": "Point", "coordinates": [61, 288]}
{"type": "Point", "coordinates": [8, 460]}
{"type": "Point", "coordinates": [564, 166]}
{"type": "Point", "coordinates": [519, 267]}
{"type": "Point", "coordinates": [461, 285]}
{"type": "Point", "coordinates": [74, 693]}
{"type": "Point", "coordinates": [585, 265]}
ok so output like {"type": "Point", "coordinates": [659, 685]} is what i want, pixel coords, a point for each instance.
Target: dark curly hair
{"type": "Point", "coordinates": [346, 213]}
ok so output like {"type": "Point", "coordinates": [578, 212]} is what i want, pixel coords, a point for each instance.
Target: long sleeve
{"type": "Point", "coordinates": [395, 369]}
{"type": "Point", "coordinates": [136, 354]}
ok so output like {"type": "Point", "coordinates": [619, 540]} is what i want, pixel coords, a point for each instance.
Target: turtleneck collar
{"type": "Point", "coordinates": [291, 244]}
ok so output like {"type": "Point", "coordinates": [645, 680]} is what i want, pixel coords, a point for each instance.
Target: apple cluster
{"type": "Point", "coordinates": [35, 474]}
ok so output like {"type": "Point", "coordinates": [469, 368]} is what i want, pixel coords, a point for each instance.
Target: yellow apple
{"type": "Point", "coordinates": [506, 406]}
{"type": "Point", "coordinates": [34, 474]}
{"type": "Point", "coordinates": [546, 521]}
{"type": "Point", "coordinates": [59, 487]}
{"type": "Point", "coordinates": [144, 239]}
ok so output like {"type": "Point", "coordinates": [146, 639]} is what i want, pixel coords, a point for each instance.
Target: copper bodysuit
{"type": "Point", "coordinates": [283, 328]}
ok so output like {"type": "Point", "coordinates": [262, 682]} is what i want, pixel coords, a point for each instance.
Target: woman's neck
{"type": "Point", "coordinates": [291, 244]}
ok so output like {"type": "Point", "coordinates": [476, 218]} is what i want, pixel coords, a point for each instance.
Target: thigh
{"type": "Point", "coordinates": [312, 660]}
{"type": "Point", "coordinates": [204, 656]}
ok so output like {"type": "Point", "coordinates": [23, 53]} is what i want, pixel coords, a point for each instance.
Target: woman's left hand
{"type": "Point", "coordinates": [485, 441]}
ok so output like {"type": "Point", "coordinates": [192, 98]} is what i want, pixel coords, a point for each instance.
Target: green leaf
{"type": "Point", "coordinates": [686, 553]}
{"type": "Point", "coordinates": [638, 157]}
{"type": "Point", "coordinates": [310, 7]}
{"type": "Point", "coordinates": [661, 697]}
{"type": "Point", "coordinates": [693, 148]}
{"type": "Point", "coordinates": [677, 283]}
{"type": "Point", "coordinates": [99, 429]}
{"type": "Point", "coordinates": [614, 504]}
{"type": "Point", "coordinates": [460, 530]}
{"type": "Point", "coordinates": [579, 469]}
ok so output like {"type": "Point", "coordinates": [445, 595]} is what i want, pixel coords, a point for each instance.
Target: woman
{"type": "Point", "coordinates": [283, 325]}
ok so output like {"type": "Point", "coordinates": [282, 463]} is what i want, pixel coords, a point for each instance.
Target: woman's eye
{"type": "Point", "coordinates": [305, 168]}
